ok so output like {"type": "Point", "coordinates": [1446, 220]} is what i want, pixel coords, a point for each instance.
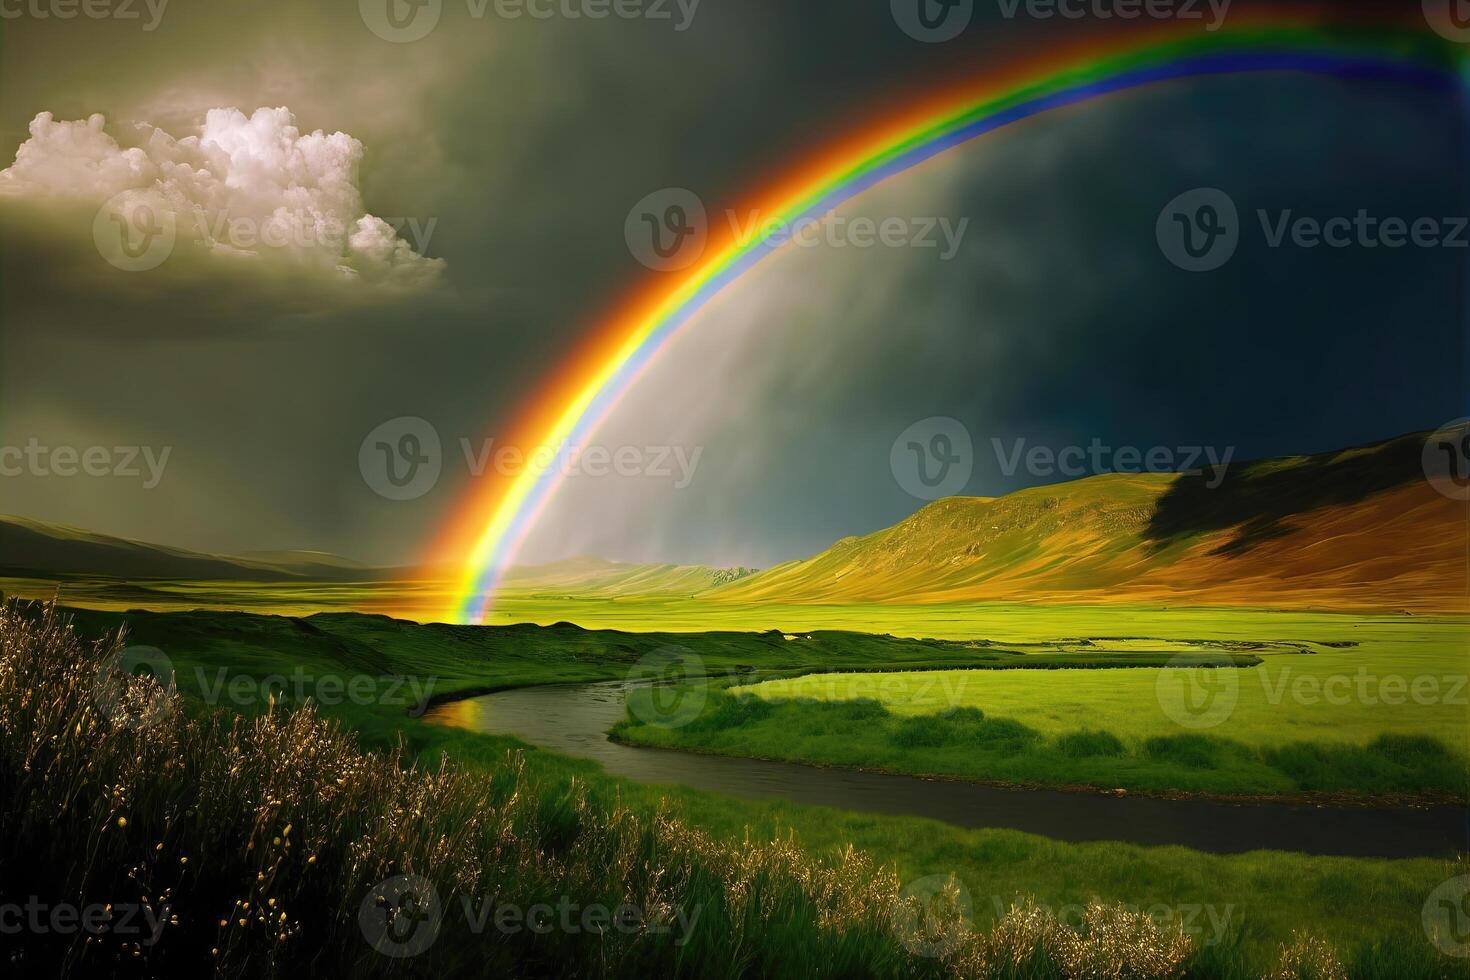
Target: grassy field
{"type": "Point", "coordinates": [968, 743]}
{"type": "Point", "coordinates": [431, 601]}
{"type": "Point", "coordinates": [1306, 720]}
{"type": "Point", "coordinates": [1338, 704]}
{"type": "Point", "coordinates": [1369, 910]}
{"type": "Point", "coordinates": [1330, 685]}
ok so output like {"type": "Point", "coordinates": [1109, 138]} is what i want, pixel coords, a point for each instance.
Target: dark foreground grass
{"type": "Point", "coordinates": [781, 890]}
{"type": "Point", "coordinates": [216, 844]}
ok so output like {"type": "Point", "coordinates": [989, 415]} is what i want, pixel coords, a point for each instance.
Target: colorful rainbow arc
{"type": "Point", "coordinates": [639, 335]}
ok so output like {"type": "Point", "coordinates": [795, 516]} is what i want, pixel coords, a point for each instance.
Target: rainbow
{"type": "Point", "coordinates": [501, 514]}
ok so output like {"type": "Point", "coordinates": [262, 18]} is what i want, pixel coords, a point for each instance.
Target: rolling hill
{"type": "Point", "coordinates": [1355, 529]}
{"type": "Point", "coordinates": [602, 578]}
{"type": "Point", "coordinates": [37, 548]}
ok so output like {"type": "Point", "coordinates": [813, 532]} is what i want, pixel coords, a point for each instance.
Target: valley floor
{"type": "Point", "coordinates": [1342, 706]}
{"type": "Point", "coordinates": [1262, 898]}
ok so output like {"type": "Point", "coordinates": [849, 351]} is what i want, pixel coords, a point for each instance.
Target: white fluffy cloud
{"type": "Point", "coordinates": [250, 195]}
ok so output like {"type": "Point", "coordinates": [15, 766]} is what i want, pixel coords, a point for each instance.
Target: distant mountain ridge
{"type": "Point", "coordinates": [1359, 528]}
{"type": "Point", "coordinates": [36, 547]}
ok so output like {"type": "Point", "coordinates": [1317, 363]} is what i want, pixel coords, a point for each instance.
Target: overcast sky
{"type": "Point", "coordinates": [459, 222]}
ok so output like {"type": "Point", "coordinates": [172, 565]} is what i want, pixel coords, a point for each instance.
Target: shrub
{"type": "Point", "coordinates": [1087, 744]}
{"type": "Point", "coordinates": [923, 732]}
{"type": "Point", "coordinates": [1193, 751]}
{"type": "Point", "coordinates": [725, 711]}
{"type": "Point", "coordinates": [1412, 751]}
{"type": "Point", "coordinates": [962, 727]}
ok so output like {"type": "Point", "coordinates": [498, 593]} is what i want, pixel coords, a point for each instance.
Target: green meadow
{"type": "Point", "coordinates": [883, 702]}
{"type": "Point", "coordinates": [1333, 703]}
{"type": "Point", "coordinates": [1242, 909]}
{"type": "Point", "coordinates": [1347, 705]}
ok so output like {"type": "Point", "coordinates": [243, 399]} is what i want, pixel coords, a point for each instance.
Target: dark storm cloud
{"type": "Point", "coordinates": [1061, 322]}
{"type": "Point", "coordinates": [526, 142]}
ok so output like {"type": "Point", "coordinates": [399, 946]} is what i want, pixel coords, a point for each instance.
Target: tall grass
{"type": "Point", "coordinates": [258, 847]}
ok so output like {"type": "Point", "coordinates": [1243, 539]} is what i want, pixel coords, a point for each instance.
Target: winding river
{"type": "Point", "coordinates": [574, 719]}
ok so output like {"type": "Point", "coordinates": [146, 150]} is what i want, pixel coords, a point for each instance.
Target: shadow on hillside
{"type": "Point", "coordinates": [1258, 499]}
